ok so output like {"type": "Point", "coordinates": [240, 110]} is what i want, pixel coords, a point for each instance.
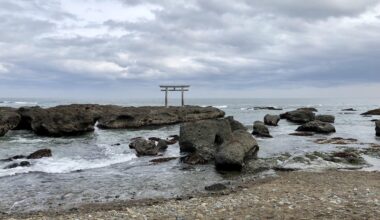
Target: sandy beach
{"type": "Point", "coordinates": [291, 195]}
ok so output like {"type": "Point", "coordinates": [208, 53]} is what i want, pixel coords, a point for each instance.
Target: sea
{"type": "Point", "coordinates": [99, 167]}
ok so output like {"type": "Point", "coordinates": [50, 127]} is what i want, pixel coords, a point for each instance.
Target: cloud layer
{"type": "Point", "coordinates": [243, 45]}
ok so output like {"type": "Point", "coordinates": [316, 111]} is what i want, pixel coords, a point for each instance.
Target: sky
{"type": "Point", "coordinates": [232, 49]}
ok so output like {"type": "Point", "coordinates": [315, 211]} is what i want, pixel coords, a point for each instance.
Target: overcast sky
{"type": "Point", "coordinates": [239, 48]}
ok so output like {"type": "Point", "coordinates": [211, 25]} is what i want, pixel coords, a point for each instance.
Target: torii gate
{"type": "Point", "coordinates": [179, 88]}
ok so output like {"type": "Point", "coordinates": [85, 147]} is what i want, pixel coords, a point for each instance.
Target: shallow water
{"type": "Point", "coordinates": [92, 168]}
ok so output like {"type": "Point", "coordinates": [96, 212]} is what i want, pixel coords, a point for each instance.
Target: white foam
{"type": "Point", "coordinates": [66, 165]}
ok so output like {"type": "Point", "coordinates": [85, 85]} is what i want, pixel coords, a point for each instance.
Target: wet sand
{"type": "Point", "coordinates": [291, 195]}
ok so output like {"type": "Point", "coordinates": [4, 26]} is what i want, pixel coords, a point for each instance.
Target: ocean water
{"type": "Point", "coordinates": [99, 167]}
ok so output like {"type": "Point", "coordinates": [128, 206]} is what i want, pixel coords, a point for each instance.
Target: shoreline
{"type": "Point", "coordinates": [290, 195]}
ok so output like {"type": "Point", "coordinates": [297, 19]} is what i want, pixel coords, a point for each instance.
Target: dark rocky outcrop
{"type": "Point", "coordinates": [214, 140]}
{"type": "Point", "coordinates": [308, 109]}
{"type": "Point", "coordinates": [349, 110]}
{"type": "Point", "coordinates": [271, 120]}
{"type": "Point", "coordinates": [231, 155]}
{"type": "Point", "coordinates": [76, 119]}
{"type": "Point", "coordinates": [40, 154]}
{"type": "Point", "coordinates": [260, 130]}
{"type": "Point", "coordinates": [21, 164]}
{"type": "Point", "coordinates": [298, 116]}
{"type": "Point", "coordinates": [302, 134]}
{"type": "Point", "coordinates": [318, 127]}
{"type": "Point", "coordinates": [235, 125]}
{"type": "Point", "coordinates": [325, 118]}
{"type": "Point", "coordinates": [378, 128]}
{"type": "Point", "coordinates": [267, 108]}
{"type": "Point", "coordinates": [163, 160]}
{"type": "Point", "coordinates": [372, 112]}
{"type": "Point", "coordinates": [115, 117]}
{"type": "Point", "coordinates": [9, 119]}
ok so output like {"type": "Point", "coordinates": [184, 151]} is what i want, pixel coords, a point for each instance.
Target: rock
{"type": "Point", "coordinates": [40, 154]}
{"type": "Point", "coordinates": [9, 119]}
{"type": "Point", "coordinates": [375, 120]}
{"type": "Point", "coordinates": [154, 139]}
{"type": "Point", "coordinates": [308, 109]}
{"type": "Point", "coordinates": [174, 137]}
{"type": "Point", "coordinates": [336, 140]}
{"type": "Point", "coordinates": [325, 118]}
{"type": "Point", "coordinates": [260, 130]}
{"type": "Point", "coordinates": [235, 125]}
{"type": "Point", "coordinates": [349, 110]}
{"type": "Point", "coordinates": [271, 120]}
{"type": "Point", "coordinates": [267, 108]}
{"type": "Point", "coordinates": [216, 187]}
{"type": "Point", "coordinates": [162, 145]}
{"type": "Point", "coordinates": [13, 158]}
{"type": "Point", "coordinates": [162, 160]}
{"type": "Point", "coordinates": [116, 117]}
{"type": "Point", "coordinates": [298, 116]}
{"type": "Point", "coordinates": [202, 138]}
{"type": "Point", "coordinates": [21, 164]}
{"type": "Point", "coordinates": [318, 127]}
{"type": "Point", "coordinates": [145, 147]}
{"type": "Point", "coordinates": [378, 128]}
{"type": "Point", "coordinates": [303, 134]}
{"type": "Point", "coordinates": [67, 120]}
{"type": "Point", "coordinates": [193, 159]}
{"type": "Point", "coordinates": [372, 112]}
{"type": "Point", "coordinates": [233, 153]}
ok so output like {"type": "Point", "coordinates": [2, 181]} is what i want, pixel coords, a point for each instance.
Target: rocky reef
{"type": "Point", "coordinates": [76, 119]}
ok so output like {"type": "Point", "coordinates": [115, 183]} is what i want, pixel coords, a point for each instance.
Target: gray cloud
{"type": "Point", "coordinates": [232, 44]}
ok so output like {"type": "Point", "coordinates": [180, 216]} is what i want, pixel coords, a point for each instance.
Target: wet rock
{"type": "Point", "coordinates": [235, 125]}
{"type": "Point", "coordinates": [348, 156]}
{"type": "Point", "coordinates": [308, 109]}
{"type": "Point", "coordinates": [204, 137]}
{"type": "Point", "coordinates": [336, 140]}
{"type": "Point", "coordinates": [302, 134]}
{"type": "Point", "coordinates": [232, 154]}
{"type": "Point", "coordinates": [271, 120]}
{"type": "Point", "coordinates": [13, 158]}
{"type": "Point", "coordinates": [174, 137]}
{"type": "Point", "coordinates": [377, 128]}
{"type": "Point", "coordinates": [375, 120]}
{"type": "Point", "coordinates": [260, 130]}
{"type": "Point", "coordinates": [163, 160]}
{"type": "Point", "coordinates": [325, 118]}
{"type": "Point", "coordinates": [216, 187]}
{"type": "Point", "coordinates": [154, 139]}
{"type": "Point", "coordinates": [372, 112]}
{"type": "Point", "coordinates": [21, 164]}
{"type": "Point", "coordinates": [40, 154]}
{"type": "Point", "coordinates": [9, 119]}
{"type": "Point", "coordinates": [349, 110]}
{"type": "Point", "coordinates": [162, 145]}
{"type": "Point", "coordinates": [267, 108]}
{"type": "Point", "coordinates": [145, 147]}
{"type": "Point", "coordinates": [259, 165]}
{"type": "Point", "coordinates": [318, 127]}
{"type": "Point", "coordinates": [298, 116]}
{"type": "Point", "coordinates": [193, 159]}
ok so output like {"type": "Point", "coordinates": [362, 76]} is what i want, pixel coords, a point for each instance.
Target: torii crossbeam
{"type": "Point", "coordinates": [179, 88]}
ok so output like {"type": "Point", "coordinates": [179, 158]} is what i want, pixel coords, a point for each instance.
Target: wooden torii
{"type": "Point", "coordinates": [170, 88]}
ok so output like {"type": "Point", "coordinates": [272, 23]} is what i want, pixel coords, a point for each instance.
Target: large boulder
{"type": "Point", "coordinates": [298, 116]}
{"type": "Point", "coordinates": [116, 117]}
{"type": "Point", "coordinates": [325, 118]}
{"type": "Point", "coordinates": [9, 119]}
{"type": "Point", "coordinates": [145, 147]}
{"type": "Point", "coordinates": [378, 128]}
{"type": "Point", "coordinates": [260, 130]}
{"type": "Point", "coordinates": [232, 154]}
{"type": "Point", "coordinates": [372, 112]}
{"type": "Point", "coordinates": [271, 120]}
{"type": "Point", "coordinates": [235, 125]}
{"type": "Point", "coordinates": [318, 127]}
{"type": "Point", "coordinates": [202, 138]}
